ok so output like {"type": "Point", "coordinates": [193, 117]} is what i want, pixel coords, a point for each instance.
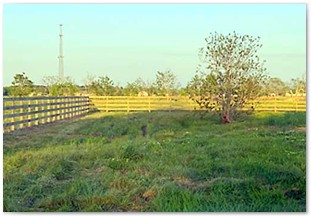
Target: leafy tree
{"type": "Point", "coordinates": [233, 71]}
{"type": "Point", "coordinates": [60, 86]}
{"type": "Point", "coordinates": [275, 86]}
{"type": "Point", "coordinates": [132, 89]}
{"type": "Point", "coordinates": [166, 82]}
{"type": "Point", "coordinates": [103, 86]}
{"type": "Point", "coordinates": [21, 86]}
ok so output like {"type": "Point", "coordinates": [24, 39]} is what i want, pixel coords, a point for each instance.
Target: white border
{"type": "Point", "coordinates": [170, 2]}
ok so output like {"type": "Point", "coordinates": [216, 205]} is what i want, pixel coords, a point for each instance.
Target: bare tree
{"type": "Point", "coordinates": [166, 82]}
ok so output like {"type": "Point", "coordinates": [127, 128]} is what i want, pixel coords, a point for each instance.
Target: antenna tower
{"type": "Point", "coordinates": [61, 57]}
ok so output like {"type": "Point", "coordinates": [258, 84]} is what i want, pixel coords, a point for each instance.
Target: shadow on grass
{"type": "Point", "coordinates": [282, 119]}
{"type": "Point", "coordinates": [116, 124]}
{"type": "Point", "coordinates": [156, 124]}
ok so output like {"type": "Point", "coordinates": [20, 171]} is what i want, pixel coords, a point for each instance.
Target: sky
{"type": "Point", "coordinates": [130, 41]}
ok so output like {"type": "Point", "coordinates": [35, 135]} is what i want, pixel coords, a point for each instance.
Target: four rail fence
{"type": "Point", "coordinates": [150, 103]}
{"type": "Point", "coordinates": [21, 112]}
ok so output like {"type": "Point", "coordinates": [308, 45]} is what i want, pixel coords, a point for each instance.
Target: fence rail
{"type": "Point", "coordinates": [150, 103]}
{"type": "Point", "coordinates": [21, 112]}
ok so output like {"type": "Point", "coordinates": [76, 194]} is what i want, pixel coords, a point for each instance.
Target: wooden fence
{"type": "Point", "coordinates": [21, 112]}
{"type": "Point", "coordinates": [150, 103]}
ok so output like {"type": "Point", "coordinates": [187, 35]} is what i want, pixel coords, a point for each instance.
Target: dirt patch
{"type": "Point", "coordinates": [300, 129]}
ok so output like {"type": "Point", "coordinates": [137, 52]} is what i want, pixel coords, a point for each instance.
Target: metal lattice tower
{"type": "Point", "coordinates": [61, 57]}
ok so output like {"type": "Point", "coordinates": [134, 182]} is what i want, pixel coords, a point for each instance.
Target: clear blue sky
{"type": "Point", "coordinates": [127, 41]}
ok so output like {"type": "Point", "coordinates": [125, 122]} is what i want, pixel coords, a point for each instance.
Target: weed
{"type": "Point", "coordinates": [130, 152]}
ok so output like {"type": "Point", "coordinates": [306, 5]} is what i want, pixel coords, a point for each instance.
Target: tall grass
{"type": "Point", "coordinates": [186, 162]}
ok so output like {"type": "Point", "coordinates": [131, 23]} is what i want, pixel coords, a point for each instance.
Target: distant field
{"type": "Point", "coordinates": [186, 162]}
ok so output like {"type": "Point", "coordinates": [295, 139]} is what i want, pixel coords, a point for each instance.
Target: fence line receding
{"type": "Point", "coordinates": [21, 112]}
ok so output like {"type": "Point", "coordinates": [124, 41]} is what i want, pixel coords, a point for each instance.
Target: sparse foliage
{"type": "Point", "coordinates": [233, 71]}
{"type": "Point", "coordinates": [166, 82]}
{"type": "Point", "coordinates": [60, 87]}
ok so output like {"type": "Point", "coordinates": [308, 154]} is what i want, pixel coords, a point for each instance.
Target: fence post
{"type": "Point", "coordinates": [62, 107]}
{"type": "Point", "coordinates": [88, 104]}
{"type": "Point", "coordinates": [36, 110]}
{"type": "Point", "coordinates": [69, 107]}
{"type": "Point", "coordinates": [128, 104]}
{"type": "Point", "coordinates": [106, 103]}
{"type": "Point", "coordinates": [66, 107]}
{"type": "Point", "coordinates": [21, 112]}
{"type": "Point", "coordinates": [13, 118]}
{"type": "Point", "coordinates": [53, 107]}
{"type": "Point", "coordinates": [296, 105]}
{"type": "Point", "coordinates": [149, 100]}
{"type": "Point", "coordinates": [48, 108]}
{"type": "Point", "coordinates": [76, 107]}
{"type": "Point", "coordinates": [57, 109]}
{"type": "Point", "coordinates": [28, 111]}
{"type": "Point", "coordinates": [79, 106]}
{"type": "Point", "coordinates": [73, 103]}
{"type": "Point", "coordinates": [43, 109]}
{"type": "Point", "coordinates": [170, 100]}
{"type": "Point", "coordinates": [274, 104]}
{"type": "Point", "coordinates": [82, 105]}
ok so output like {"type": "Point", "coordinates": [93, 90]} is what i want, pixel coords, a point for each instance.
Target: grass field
{"type": "Point", "coordinates": [186, 162]}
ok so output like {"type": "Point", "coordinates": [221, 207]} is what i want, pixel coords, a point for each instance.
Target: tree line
{"type": "Point", "coordinates": [230, 73]}
{"type": "Point", "coordinates": [165, 84]}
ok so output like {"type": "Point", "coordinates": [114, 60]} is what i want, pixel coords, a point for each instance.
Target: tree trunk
{"type": "Point", "coordinates": [225, 117]}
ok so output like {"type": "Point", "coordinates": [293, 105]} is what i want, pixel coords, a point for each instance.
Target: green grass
{"type": "Point", "coordinates": [187, 162]}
